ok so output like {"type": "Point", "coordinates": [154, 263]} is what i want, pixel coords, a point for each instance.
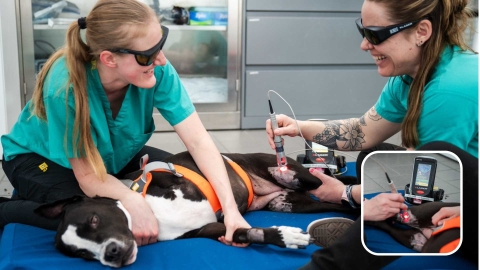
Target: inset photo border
{"type": "Point", "coordinates": [436, 178]}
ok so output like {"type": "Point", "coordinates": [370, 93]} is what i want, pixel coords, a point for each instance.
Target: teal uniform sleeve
{"type": "Point", "coordinates": [391, 105]}
{"type": "Point", "coordinates": [171, 99]}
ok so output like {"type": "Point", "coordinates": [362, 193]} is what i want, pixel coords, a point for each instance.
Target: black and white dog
{"type": "Point", "coordinates": [419, 236]}
{"type": "Point", "coordinates": [99, 228]}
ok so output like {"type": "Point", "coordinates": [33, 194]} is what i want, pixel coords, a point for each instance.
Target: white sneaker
{"type": "Point", "coordinates": [326, 230]}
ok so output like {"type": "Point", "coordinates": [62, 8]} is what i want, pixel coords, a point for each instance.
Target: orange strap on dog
{"type": "Point", "coordinates": [140, 185]}
{"type": "Point", "coordinates": [448, 224]}
{"type": "Point", "coordinates": [202, 184]}
{"type": "Point", "coordinates": [245, 179]}
{"type": "Point", "coordinates": [142, 182]}
{"type": "Point", "coordinates": [450, 246]}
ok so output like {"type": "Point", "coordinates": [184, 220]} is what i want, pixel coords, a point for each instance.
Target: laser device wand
{"type": "Point", "coordinates": [403, 214]}
{"type": "Point", "coordinates": [391, 184]}
{"type": "Point", "coordinates": [281, 158]}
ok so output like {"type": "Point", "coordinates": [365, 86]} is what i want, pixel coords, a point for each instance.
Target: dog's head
{"type": "Point", "coordinates": [93, 229]}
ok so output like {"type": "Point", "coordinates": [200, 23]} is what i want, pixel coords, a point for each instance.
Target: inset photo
{"type": "Point", "coordinates": [412, 203]}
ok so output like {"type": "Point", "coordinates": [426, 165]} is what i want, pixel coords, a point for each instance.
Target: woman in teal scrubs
{"type": "Point", "coordinates": [91, 115]}
{"type": "Point", "coordinates": [431, 98]}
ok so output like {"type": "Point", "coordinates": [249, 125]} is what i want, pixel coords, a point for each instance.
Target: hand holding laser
{"type": "Point", "coordinates": [281, 157]}
{"type": "Point", "coordinates": [403, 214]}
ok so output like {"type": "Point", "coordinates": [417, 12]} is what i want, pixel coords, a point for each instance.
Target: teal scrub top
{"type": "Point", "coordinates": [450, 101]}
{"type": "Point", "coordinates": [117, 140]}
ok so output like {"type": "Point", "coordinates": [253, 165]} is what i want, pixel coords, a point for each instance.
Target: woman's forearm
{"type": "Point", "coordinates": [352, 134]}
{"type": "Point", "coordinates": [357, 193]}
{"type": "Point", "coordinates": [211, 163]}
{"type": "Point", "coordinates": [344, 134]}
{"type": "Point", "coordinates": [92, 186]}
{"type": "Point", "coordinates": [110, 188]}
{"type": "Point", "coordinates": [205, 154]}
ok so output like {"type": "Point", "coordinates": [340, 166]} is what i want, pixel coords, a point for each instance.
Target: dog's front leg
{"type": "Point", "coordinates": [211, 230]}
{"type": "Point", "coordinates": [282, 236]}
{"type": "Point", "coordinates": [411, 238]}
{"type": "Point", "coordinates": [421, 215]}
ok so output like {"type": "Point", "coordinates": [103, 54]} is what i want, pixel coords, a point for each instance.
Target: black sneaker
{"type": "Point", "coordinates": [326, 230]}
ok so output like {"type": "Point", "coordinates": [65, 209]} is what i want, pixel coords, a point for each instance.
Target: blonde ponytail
{"type": "Point", "coordinates": [109, 24]}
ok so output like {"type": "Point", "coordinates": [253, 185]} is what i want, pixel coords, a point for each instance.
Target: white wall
{"type": "Point", "coordinates": [3, 120]}
{"type": "Point", "coordinates": [10, 93]}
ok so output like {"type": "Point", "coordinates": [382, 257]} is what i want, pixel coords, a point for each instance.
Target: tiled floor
{"type": "Point", "coordinates": [252, 141]}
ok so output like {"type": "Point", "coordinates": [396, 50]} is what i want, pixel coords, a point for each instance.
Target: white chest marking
{"type": "Point", "coordinates": [127, 214]}
{"type": "Point", "coordinates": [178, 216]}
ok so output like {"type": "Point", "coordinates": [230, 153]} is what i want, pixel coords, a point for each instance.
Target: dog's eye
{"type": "Point", "coordinates": [94, 220]}
{"type": "Point", "coordinates": [81, 253]}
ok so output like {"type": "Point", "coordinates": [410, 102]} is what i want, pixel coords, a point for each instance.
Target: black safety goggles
{"type": "Point", "coordinates": [146, 58]}
{"type": "Point", "coordinates": [378, 34]}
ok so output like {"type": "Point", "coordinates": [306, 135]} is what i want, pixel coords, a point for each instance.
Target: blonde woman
{"type": "Point", "coordinates": [91, 115]}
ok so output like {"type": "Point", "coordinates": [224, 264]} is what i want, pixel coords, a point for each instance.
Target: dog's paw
{"type": "Point", "coordinates": [293, 237]}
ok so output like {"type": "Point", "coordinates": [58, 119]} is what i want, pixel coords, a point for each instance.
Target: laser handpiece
{"type": "Point", "coordinates": [391, 184]}
{"type": "Point", "coordinates": [404, 216]}
{"type": "Point", "coordinates": [281, 158]}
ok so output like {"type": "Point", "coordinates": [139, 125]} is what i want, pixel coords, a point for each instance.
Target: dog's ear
{"type": "Point", "coordinates": [55, 209]}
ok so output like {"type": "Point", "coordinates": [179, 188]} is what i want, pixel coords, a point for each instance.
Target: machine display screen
{"type": "Point", "coordinates": [423, 174]}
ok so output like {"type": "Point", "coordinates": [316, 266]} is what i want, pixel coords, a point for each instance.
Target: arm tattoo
{"type": "Point", "coordinates": [329, 135]}
{"type": "Point", "coordinates": [361, 121]}
{"type": "Point", "coordinates": [372, 115]}
{"type": "Point", "coordinates": [348, 131]}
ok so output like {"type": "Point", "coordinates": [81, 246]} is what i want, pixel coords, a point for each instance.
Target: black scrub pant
{"type": "Point", "coordinates": [348, 252]}
{"type": "Point", "coordinates": [36, 184]}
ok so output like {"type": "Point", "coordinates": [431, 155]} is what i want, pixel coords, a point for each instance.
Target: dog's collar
{"type": "Point", "coordinates": [141, 184]}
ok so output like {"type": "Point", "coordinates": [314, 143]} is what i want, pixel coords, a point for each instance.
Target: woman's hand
{"type": "Point", "coordinates": [144, 223]}
{"type": "Point", "coordinates": [210, 162]}
{"type": "Point", "coordinates": [331, 189]}
{"type": "Point", "coordinates": [383, 206]}
{"type": "Point", "coordinates": [286, 126]}
{"type": "Point", "coordinates": [233, 220]}
{"type": "Point", "coordinates": [445, 213]}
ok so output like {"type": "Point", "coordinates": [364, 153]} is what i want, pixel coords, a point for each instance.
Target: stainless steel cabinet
{"type": "Point", "coordinates": [309, 52]}
{"type": "Point", "coordinates": [206, 57]}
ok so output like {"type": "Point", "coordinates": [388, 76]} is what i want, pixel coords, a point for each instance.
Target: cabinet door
{"type": "Point", "coordinates": [313, 92]}
{"type": "Point", "coordinates": [304, 5]}
{"type": "Point", "coordinates": [297, 38]}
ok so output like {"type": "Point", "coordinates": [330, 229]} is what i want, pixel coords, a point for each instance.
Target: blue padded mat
{"type": "Point", "coordinates": [379, 241]}
{"type": "Point", "coordinates": [26, 247]}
